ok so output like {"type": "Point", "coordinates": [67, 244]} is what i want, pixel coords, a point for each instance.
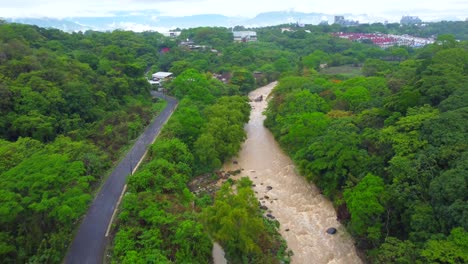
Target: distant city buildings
{"type": "Point", "coordinates": [340, 20]}
{"type": "Point", "coordinates": [244, 36]}
{"type": "Point", "coordinates": [386, 40]}
{"type": "Point", "coordinates": [410, 20]}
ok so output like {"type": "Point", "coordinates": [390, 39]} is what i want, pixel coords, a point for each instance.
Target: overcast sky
{"type": "Point", "coordinates": [426, 9]}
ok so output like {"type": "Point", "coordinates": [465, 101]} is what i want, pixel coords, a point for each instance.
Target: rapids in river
{"type": "Point", "coordinates": [304, 214]}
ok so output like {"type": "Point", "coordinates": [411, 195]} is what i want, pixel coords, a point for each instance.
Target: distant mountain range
{"type": "Point", "coordinates": [150, 20]}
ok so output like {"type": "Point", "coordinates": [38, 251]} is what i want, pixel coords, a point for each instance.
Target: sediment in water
{"type": "Point", "coordinates": [304, 214]}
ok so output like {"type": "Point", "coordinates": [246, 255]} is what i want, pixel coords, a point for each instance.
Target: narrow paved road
{"type": "Point", "coordinates": [90, 241]}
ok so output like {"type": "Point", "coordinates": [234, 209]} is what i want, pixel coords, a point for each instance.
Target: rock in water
{"type": "Point", "coordinates": [331, 230]}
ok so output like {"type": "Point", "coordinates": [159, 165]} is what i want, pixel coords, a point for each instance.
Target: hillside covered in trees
{"type": "Point", "coordinates": [386, 143]}
{"type": "Point", "coordinates": [390, 149]}
{"type": "Point", "coordinates": [69, 103]}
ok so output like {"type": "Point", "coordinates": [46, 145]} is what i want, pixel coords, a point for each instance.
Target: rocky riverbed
{"type": "Point", "coordinates": [304, 213]}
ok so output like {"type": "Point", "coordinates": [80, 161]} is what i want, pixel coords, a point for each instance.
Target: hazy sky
{"type": "Point", "coordinates": [428, 9]}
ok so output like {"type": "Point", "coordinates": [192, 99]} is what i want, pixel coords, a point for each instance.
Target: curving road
{"type": "Point", "coordinates": [90, 241]}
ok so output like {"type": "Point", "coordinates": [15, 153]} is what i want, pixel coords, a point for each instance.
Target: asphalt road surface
{"type": "Point", "coordinates": [90, 241]}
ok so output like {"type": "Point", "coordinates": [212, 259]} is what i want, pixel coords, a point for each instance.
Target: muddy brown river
{"type": "Point", "coordinates": [295, 203]}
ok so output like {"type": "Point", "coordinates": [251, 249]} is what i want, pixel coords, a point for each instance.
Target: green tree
{"type": "Point", "coordinates": [333, 157]}
{"type": "Point", "coordinates": [356, 97]}
{"type": "Point", "coordinates": [244, 79]}
{"type": "Point", "coordinates": [399, 53]}
{"type": "Point", "coordinates": [303, 102]}
{"type": "Point", "coordinates": [179, 67]}
{"type": "Point", "coordinates": [186, 123]}
{"type": "Point", "coordinates": [450, 250]}
{"type": "Point", "coordinates": [300, 130]}
{"type": "Point", "coordinates": [205, 151]}
{"type": "Point", "coordinates": [366, 203]}
{"type": "Point", "coordinates": [314, 59]}
{"type": "Point", "coordinates": [233, 221]}
{"type": "Point", "coordinates": [449, 198]}
{"type": "Point", "coordinates": [172, 150]}
{"type": "Point", "coordinates": [375, 67]}
{"type": "Point", "coordinates": [193, 85]}
{"type": "Point", "coordinates": [282, 65]}
{"type": "Point", "coordinates": [394, 250]}
{"type": "Point", "coordinates": [194, 245]}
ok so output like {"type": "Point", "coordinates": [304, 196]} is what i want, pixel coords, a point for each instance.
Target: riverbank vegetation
{"type": "Point", "coordinates": [160, 219]}
{"type": "Point", "coordinates": [236, 222]}
{"type": "Point", "coordinates": [388, 149]}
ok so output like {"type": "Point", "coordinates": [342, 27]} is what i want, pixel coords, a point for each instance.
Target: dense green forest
{"type": "Point", "coordinates": [161, 221]}
{"type": "Point", "coordinates": [69, 103]}
{"type": "Point", "coordinates": [388, 147]}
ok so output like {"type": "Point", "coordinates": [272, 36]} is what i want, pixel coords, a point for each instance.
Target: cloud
{"type": "Point", "coordinates": [244, 8]}
{"type": "Point", "coordinates": [22, 3]}
{"type": "Point", "coordinates": [160, 1]}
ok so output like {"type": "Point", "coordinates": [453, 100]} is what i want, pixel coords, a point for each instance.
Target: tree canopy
{"type": "Point", "coordinates": [389, 149]}
{"type": "Point", "coordinates": [386, 140]}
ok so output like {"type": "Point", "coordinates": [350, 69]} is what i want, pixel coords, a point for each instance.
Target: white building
{"type": "Point", "coordinates": [244, 36]}
{"type": "Point", "coordinates": [159, 77]}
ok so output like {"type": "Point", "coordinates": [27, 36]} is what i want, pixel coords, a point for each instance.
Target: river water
{"type": "Point", "coordinates": [304, 214]}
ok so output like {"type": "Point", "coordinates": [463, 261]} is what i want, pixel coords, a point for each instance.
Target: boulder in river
{"type": "Point", "coordinates": [269, 188]}
{"type": "Point", "coordinates": [331, 230]}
